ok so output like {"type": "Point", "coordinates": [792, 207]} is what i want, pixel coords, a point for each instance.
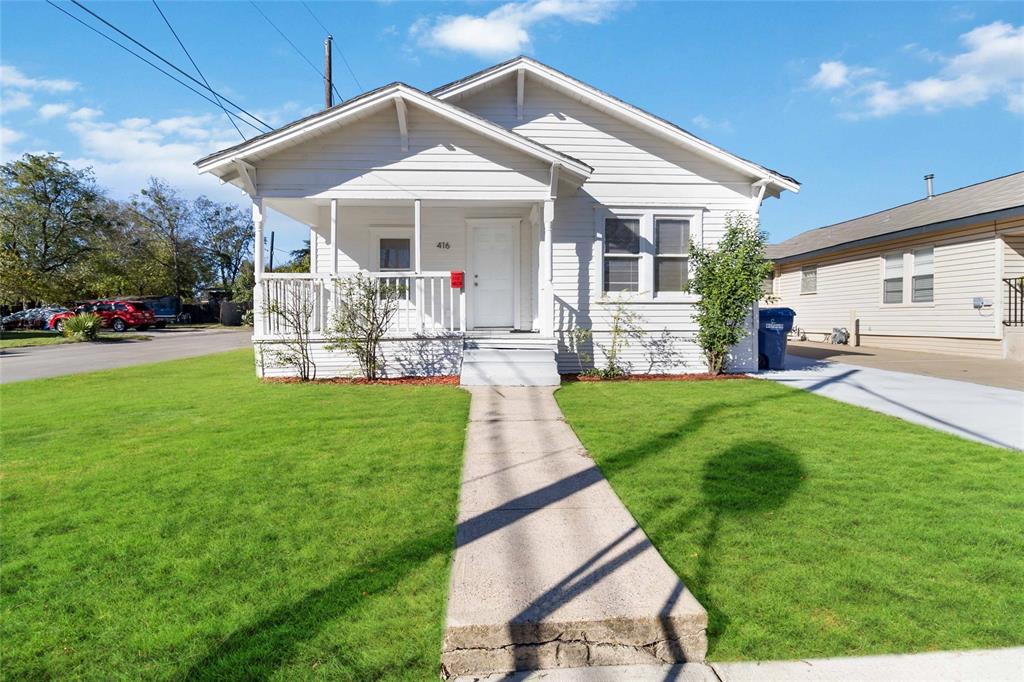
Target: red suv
{"type": "Point", "coordinates": [118, 315]}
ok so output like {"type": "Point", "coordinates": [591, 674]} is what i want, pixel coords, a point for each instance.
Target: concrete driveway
{"type": "Point", "coordinates": [21, 364]}
{"type": "Point", "coordinates": [987, 414]}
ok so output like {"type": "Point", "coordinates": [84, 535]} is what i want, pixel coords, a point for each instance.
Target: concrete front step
{"type": "Point", "coordinates": [550, 569]}
{"type": "Point", "coordinates": [512, 341]}
{"type": "Point", "coordinates": [495, 366]}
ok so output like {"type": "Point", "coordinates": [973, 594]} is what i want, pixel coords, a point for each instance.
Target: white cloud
{"type": "Point", "coordinates": [48, 111]}
{"type": "Point", "coordinates": [505, 30]}
{"type": "Point", "coordinates": [705, 123]}
{"type": "Point", "coordinates": [991, 66]}
{"type": "Point", "coordinates": [84, 114]}
{"type": "Point", "coordinates": [9, 135]}
{"type": "Point", "coordinates": [12, 100]}
{"type": "Point", "coordinates": [12, 78]}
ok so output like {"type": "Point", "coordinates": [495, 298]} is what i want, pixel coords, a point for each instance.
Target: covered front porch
{"type": "Point", "coordinates": [501, 250]}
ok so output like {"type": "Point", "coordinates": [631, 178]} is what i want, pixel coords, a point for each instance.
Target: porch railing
{"type": "Point", "coordinates": [1014, 311]}
{"type": "Point", "coordinates": [427, 306]}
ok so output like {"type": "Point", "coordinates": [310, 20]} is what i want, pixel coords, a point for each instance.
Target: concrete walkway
{"type": "Point", "coordinates": [550, 569]}
{"type": "Point", "coordinates": [994, 665]}
{"type": "Point", "coordinates": [21, 364]}
{"type": "Point", "coordinates": [986, 414]}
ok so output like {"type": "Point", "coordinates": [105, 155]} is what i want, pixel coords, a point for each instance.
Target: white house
{"type": "Point", "coordinates": [556, 200]}
{"type": "Point", "coordinates": [943, 274]}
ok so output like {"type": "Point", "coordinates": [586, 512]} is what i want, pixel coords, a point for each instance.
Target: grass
{"type": "Point", "coordinates": [808, 527]}
{"type": "Point", "coordinates": [184, 520]}
{"type": "Point", "coordinates": [24, 338]}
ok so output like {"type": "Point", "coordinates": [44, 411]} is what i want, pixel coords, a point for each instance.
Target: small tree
{"type": "Point", "coordinates": [294, 312]}
{"type": "Point", "coordinates": [728, 280]}
{"type": "Point", "coordinates": [366, 306]}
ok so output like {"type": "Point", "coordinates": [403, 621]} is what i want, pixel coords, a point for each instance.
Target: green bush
{"type": "Point", "coordinates": [82, 327]}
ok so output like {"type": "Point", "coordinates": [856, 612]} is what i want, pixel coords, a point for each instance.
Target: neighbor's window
{"type": "Point", "coordinates": [922, 285]}
{"type": "Point", "coordinates": [892, 283]}
{"type": "Point", "coordinates": [809, 279]}
{"type": "Point", "coordinates": [622, 254]}
{"type": "Point", "coordinates": [395, 253]}
{"type": "Point", "coordinates": [671, 245]}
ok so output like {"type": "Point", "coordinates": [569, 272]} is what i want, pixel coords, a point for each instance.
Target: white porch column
{"type": "Point", "coordinates": [547, 311]}
{"type": "Point", "coordinates": [257, 222]}
{"type": "Point", "coordinates": [417, 231]}
{"type": "Point", "coordinates": [334, 237]}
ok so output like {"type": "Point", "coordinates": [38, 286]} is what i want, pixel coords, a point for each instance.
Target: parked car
{"type": "Point", "coordinates": [32, 318]}
{"type": "Point", "coordinates": [117, 315]}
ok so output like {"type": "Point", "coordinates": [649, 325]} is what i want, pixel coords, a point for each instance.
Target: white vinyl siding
{"type": "Point", "coordinates": [963, 267]}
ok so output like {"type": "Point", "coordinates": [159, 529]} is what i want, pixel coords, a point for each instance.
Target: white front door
{"type": "Point", "coordinates": [492, 281]}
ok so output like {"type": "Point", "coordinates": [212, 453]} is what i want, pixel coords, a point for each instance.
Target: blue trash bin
{"type": "Point", "coordinates": [773, 326]}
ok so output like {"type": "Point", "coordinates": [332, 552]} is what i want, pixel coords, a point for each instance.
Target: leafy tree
{"type": "Point", "coordinates": [168, 221]}
{"type": "Point", "coordinates": [226, 235]}
{"type": "Point", "coordinates": [729, 280]}
{"type": "Point", "coordinates": [299, 261]}
{"type": "Point", "coordinates": [49, 215]}
{"type": "Point", "coordinates": [245, 282]}
{"type": "Point", "coordinates": [366, 307]}
{"type": "Point", "coordinates": [124, 258]}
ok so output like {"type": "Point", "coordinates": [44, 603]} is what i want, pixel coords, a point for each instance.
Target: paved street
{"type": "Point", "coordinates": [987, 414]}
{"type": "Point", "coordinates": [21, 364]}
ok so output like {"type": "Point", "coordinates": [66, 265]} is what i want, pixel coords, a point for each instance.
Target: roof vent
{"type": "Point", "coordinates": [928, 183]}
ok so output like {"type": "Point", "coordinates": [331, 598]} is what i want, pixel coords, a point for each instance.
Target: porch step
{"type": "Point", "coordinates": [511, 342]}
{"type": "Point", "coordinates": [492, 362]}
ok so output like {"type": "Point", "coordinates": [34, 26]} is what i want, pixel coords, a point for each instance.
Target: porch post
{"type": "Point", "coordinates": [417, 233]}
{"type": "Point", "coordinates": [334, 237]}
{"type": "Point", "coordinates": [547, 312]}
{"type": "Point", "coordinates": [257, 222]}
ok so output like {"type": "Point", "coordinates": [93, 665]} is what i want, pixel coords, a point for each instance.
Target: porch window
{"type": "Point", "coordinates": [922, 285]}
{"type": "Point", "coordinates": [622, 254]}
{"type": "Point", "coordinates": [395, 253]}
{"type": "Point", "coordinates": [671, 244]}
{"type": "Point", "coordinates": [892, 284]}
{"type": "Point", "coordinates": [809, 279]}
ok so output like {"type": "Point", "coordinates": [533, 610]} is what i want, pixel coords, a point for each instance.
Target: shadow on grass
{"type": "Point", "coordinates": [261, 649]}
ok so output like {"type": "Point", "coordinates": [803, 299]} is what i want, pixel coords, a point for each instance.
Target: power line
{"type": "Point", "coordinates": [198, 70]}
{"type": "Point", "coordinates": [294, 47]}
{"type": "Point", "coordinates": [139, 56]}
{"type": "Point", "coordinates": [340, 52]}
{"type": "Point", "coordinates": [173, 66]}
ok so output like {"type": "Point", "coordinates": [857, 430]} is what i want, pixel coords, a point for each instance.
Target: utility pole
{"type": "Point", "coordinates": [328, 94]}
{"type": "Point", "coordinates": [271, 251]}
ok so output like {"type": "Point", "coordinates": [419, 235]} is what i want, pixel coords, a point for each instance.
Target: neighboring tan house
{"type": "Point", "coordinates": [942, 274]}
{"type": "Point", "coordinates": [555, 199]}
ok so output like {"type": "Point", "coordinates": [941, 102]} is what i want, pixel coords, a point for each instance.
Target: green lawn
{"type": "Point", "coordinates": [23, 338]}
{"type": "Point", "coordinates": [184, 520]}
{"type": "Point", "coordinates": [808, 527]}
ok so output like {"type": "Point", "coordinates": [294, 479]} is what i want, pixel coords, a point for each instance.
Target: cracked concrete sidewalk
{"type": "Point", "coordinates": [550, 569]}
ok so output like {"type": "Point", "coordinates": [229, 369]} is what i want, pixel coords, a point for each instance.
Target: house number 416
{"type": "Point", "coordinates": [444, 245]}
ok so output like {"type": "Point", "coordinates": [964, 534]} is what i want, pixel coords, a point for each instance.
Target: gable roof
{"type": "Point", "coordinates": [617, 107]}
{"type": "Point", "coordinates": [1000, 197]}
{"type": "Point", "coordinates": [371, 102]}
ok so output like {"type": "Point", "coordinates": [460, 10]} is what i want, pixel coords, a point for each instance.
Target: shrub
{"type": "Point", "coordinates": [366, 307]}
{"type": "Point", "coordinates": [729, 281]}
{"type": "Point", "coordinates": [82, 327]}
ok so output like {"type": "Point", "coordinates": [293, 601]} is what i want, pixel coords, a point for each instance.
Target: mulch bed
{"type": "Point", "coordinates": [701, 376]}
{"type": "Point", "coordinates": [396, 381]}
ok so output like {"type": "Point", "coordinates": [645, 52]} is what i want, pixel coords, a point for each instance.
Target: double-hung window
{"type": "Point", "coordinates": [809, 279]}
{"type": "Point", "coordinates": [922, 284]}
{"type": "Point", "coordinates": [671, 250]}
{"type": "Point", "coordinates": [892, 281]}
{"type": "Point", "coordinates": [622, 254]}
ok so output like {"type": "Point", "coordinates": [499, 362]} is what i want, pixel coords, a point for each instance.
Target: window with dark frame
{"type": "Point", "coordinates": [671, 251]}
{"type": "Point", "coordinates": [622, 254]}
{"type": "Point", "coordinates": [395, 253]}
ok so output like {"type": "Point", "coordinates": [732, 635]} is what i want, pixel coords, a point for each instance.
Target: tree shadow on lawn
{"type": "Point", "coordinates": [263, 648]}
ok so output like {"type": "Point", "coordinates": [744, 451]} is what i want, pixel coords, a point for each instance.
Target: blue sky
{"type": "Point", "coordinates": [856, 100]}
